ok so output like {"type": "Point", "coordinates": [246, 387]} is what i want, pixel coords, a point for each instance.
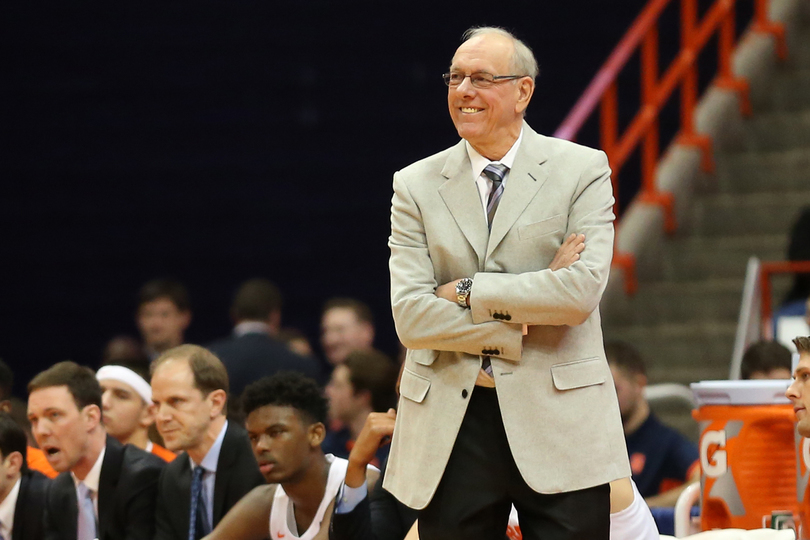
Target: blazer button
{"type": "Point", "coordinates": [507, 317]}
{"type": "Point", "coordinates": [464, 393]}
{"type": "Point", "coordinates": [496, 352]}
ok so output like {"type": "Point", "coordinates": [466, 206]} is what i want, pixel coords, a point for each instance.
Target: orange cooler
{"type": "Point", "coordinates": [747, 453]}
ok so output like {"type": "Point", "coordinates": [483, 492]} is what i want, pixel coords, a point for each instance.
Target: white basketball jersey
{"type": "Point", "coordinates": [282, 514]}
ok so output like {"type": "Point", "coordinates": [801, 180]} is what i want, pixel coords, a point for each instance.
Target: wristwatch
{"type": "Point", "coordinates": [463, 289]}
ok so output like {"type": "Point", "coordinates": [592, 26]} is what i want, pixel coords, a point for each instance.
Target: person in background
{"type": "Point", "coordinates": [663, 461]}
{"type": "Point", "coordinates": [127, 407]}
{"type": "Point", "coordinates": [346, 325]}
{"type": "Point", "coordinates": [799, 391]}
{"type": "Point", "coordinates": [163, 315]}
{"type": "Point", "coordinates": [766, 360]}
{"type": "Point", "coordinates": [22, 491]}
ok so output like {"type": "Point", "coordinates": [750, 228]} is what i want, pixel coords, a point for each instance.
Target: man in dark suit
{"type": "Point", "coordinates": [22, 491]}
{"type": "Point", "coordinates": [252, 351]}
{"type": "Point", "coordinates": [217, 468]}
{"type": "Point", "coordinates": [104, 490]}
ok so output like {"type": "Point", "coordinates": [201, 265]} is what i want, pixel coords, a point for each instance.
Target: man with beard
{"type": "Point", "coordinates": [285, 422]}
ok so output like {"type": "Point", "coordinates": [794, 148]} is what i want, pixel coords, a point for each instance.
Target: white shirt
{"type": "Point", "coordinates": [251, 327]}
{"type": "Point", "coordinates": [478, 163]}
{"type": "Point", "coordinates": [7, 508]}
{"type": "Point", "coordinates": [209, 463]}
{"type": "Point", "coordinates": [91, 480]}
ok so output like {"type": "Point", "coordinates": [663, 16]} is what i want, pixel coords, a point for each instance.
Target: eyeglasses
{"type": "Point", "coordinates": [479, 79]}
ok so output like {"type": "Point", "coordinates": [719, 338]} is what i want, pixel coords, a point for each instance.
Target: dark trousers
{"type": "Point", "coordinates": [481, 482]}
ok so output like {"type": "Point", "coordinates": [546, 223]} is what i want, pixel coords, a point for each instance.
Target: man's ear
{"type": "Point", "coordinates": [93, 415]}
{"type": "Point", "coordinates": [5, 405]}
{"type": "Point", "coordinates": [316, 434]}
{"type": "Point", "coordinates": [148, 416]}
{"type": "Point", "coordinates": [525, 92]}
{"type": "Point", "coordinates": [219, 398]}
{"type": "Point", "coordinates": [186, 315]}
{"type": "Point", "coordinates": [13, 463]}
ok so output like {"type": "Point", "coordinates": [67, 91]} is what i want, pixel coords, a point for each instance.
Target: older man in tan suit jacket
{"type": "Point", "coordinates": [540, 427]}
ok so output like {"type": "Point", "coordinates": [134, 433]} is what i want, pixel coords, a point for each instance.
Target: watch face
{"type": "Point", "coordinates": [464, 286]}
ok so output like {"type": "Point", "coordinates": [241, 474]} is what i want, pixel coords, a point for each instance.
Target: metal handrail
{"type": "Point", "coordinates": [655, 91]}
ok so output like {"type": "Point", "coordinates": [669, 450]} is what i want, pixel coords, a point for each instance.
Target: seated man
{"type": "Point", "coordinates": [285, 420]}
{"type": "Point", "coordinates": [127, 406]}
{"type": "Point", "coordinates": [22, 491]}
{"type": "Point", "coordinates": [663, 461]}
{"type": "Point", "coordinates": [766, 360]}
{"type": "Point", "coordinates": [364, 383]}
{"type": "Point", "coordinates": [106, 490]}
{"type": "Point", "coordinates": [799, 391]}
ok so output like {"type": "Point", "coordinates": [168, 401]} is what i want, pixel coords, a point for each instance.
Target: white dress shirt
{"type": "Point", "coordinates": [7, 508]}
{"type": "Point", "coordinates": [91, 480]}
{"type": "Point", "coordinates": [209, 463]}
{"type": "Point", "coordinates": [478, 163]}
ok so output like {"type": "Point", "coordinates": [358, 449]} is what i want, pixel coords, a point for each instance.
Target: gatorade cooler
{"type": "Point", "coordinates": [747, 454]}
{"type": "Point", "coordinates": [803, 489]}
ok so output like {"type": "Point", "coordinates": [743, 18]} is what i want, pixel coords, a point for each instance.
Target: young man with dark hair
{"type": "Point", "coordinates": [253, 351]}
{"type": "Point", "coordinates": [127, 406]}
{"type": "Point", "coordinates": [346, 325]}
{"type": "Point", "coordinates": [164, 313]}
{"type": "Point", "coordinates": [22, 491]}
{"type": "Point", "coordinates": [217, 467]}
{"type": "Point", "coordinates": [364, 383]}
{"type": "Point", "coordinates": [285, 421]}
{"type": "Point", "coordinates": [663, 462]}
{"type": "Point", "coordinates": [766, 360]}
{"type": "Point", "coordinates": [105, 490]}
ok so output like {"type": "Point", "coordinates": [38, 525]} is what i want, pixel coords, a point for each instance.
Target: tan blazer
{"type": "Point", "coordinates": [554, 386]}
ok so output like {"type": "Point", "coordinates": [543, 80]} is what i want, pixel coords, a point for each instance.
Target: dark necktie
{"type": "Point", "coordinates": [198, 525]}
{"type": "Point", "coordinates": [495, 172]}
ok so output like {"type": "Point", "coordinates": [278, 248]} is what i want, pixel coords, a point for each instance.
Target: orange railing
{"type": "Point", "coordinates": [655, 92]}
{"type": "Point", "coordinates": [766, 271]}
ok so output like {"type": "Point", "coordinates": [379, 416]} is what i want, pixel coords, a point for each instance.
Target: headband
{"type": "Point", "coordinates": [127, 376]}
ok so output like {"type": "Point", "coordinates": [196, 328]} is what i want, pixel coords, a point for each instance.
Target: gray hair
{"type": "Point", "coordinates": [523, 61]}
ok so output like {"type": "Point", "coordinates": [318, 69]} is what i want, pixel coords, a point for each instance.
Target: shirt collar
{"type": "Point", "coordinates": [209, 462]}
{"type": "Point", "coordinates": [7, 508]}
{"type": "Point", "coordinates": [479, 162]}
{"type": "Point", "coordinates": [92, 478]}
{"type": "Point", "coordinates": [251, 327]}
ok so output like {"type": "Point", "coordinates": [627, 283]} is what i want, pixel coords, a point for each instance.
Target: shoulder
{"type": "Point", "coordinates": [433, 164]}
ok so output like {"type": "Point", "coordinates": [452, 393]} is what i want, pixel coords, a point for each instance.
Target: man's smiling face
{"type": "Point", "coordinates": [60, 428]}
{"type": "Point", "coordinates": [487, 116]}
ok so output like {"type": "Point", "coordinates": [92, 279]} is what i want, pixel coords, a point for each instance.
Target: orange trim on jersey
{"type": "Point", "coordinates": [38, 462]}
{"type": "Point", "coordinates": [165, 455]}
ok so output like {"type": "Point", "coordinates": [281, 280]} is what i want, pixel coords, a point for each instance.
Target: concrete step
{"type": "Point", "coordinates": [681, 353]}
{"type": "Point", "coordinates": [691, 258]}
{"type": "Point", "coordinates": [708, 301]}
{"type": "Point", "coordinates": [789, 90]}
{"type": "Point", "coordinates": [775, 131]}
{"type": "Point", "coordinates": [770, 171]}
{"type": "Point", "coordinates": [730, 214]}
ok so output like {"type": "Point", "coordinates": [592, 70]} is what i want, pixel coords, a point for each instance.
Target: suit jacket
{"type": "Point", "coordinates": [29, 513]}
{"type": "Point", "coordinates": [554, 387]}
{"type": "Point", "coordinates": [237, 474]}
{"type": "Point", "coordinates": [254, 355]}
{"type": "Point", "coordinates": [126, 497]}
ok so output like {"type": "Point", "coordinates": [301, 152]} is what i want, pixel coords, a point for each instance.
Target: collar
{"type": "Point", "coordinates": [251, 327]}
{"type": "Point", "coordinates": [478, 162]}
{"type": "Point", "coordinates": [92, 478]}
{"type": "Point", "coordinates": [7, 508]}
{"type": "Point", "coordinates": [209, 462]}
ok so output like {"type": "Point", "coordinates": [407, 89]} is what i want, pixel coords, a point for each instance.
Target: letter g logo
{"type": "Point", "coordinates": [716, 464]}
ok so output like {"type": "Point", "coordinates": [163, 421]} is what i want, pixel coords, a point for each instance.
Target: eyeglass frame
{"type": "Point", "coordinates": [495, 78]}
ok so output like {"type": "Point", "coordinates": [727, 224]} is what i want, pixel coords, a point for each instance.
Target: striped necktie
{"type": "Point", "coordinates": [198, 525]}
{"type": "Point", "coordinates": [495, 172]}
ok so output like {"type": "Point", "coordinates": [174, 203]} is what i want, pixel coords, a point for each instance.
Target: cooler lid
{"type": "Point", "coordinates": [758, 392]}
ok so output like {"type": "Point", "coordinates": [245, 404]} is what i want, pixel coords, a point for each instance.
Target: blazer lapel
{"type": "Point", "coordinates": [107, 482]}
{"type": "Point", "coordinates": [461, 196]}
{"type": "Point", "coordinates": [227, 456]}
{"type": "Point", "coordinates": [525, 179]}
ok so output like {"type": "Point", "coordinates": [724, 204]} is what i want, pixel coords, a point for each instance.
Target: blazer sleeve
{"type": "Point", "coordinates": [423, 320]}
{"type": "Point", "coordinates": [567, 296]}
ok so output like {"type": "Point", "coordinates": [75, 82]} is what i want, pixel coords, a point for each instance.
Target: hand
{"type": "Point", "coordinates": [378, 427]}
{"type": "Point", "coordinates": [448, 292]}
{"type": "Point", "coordinates": [569, 252]}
